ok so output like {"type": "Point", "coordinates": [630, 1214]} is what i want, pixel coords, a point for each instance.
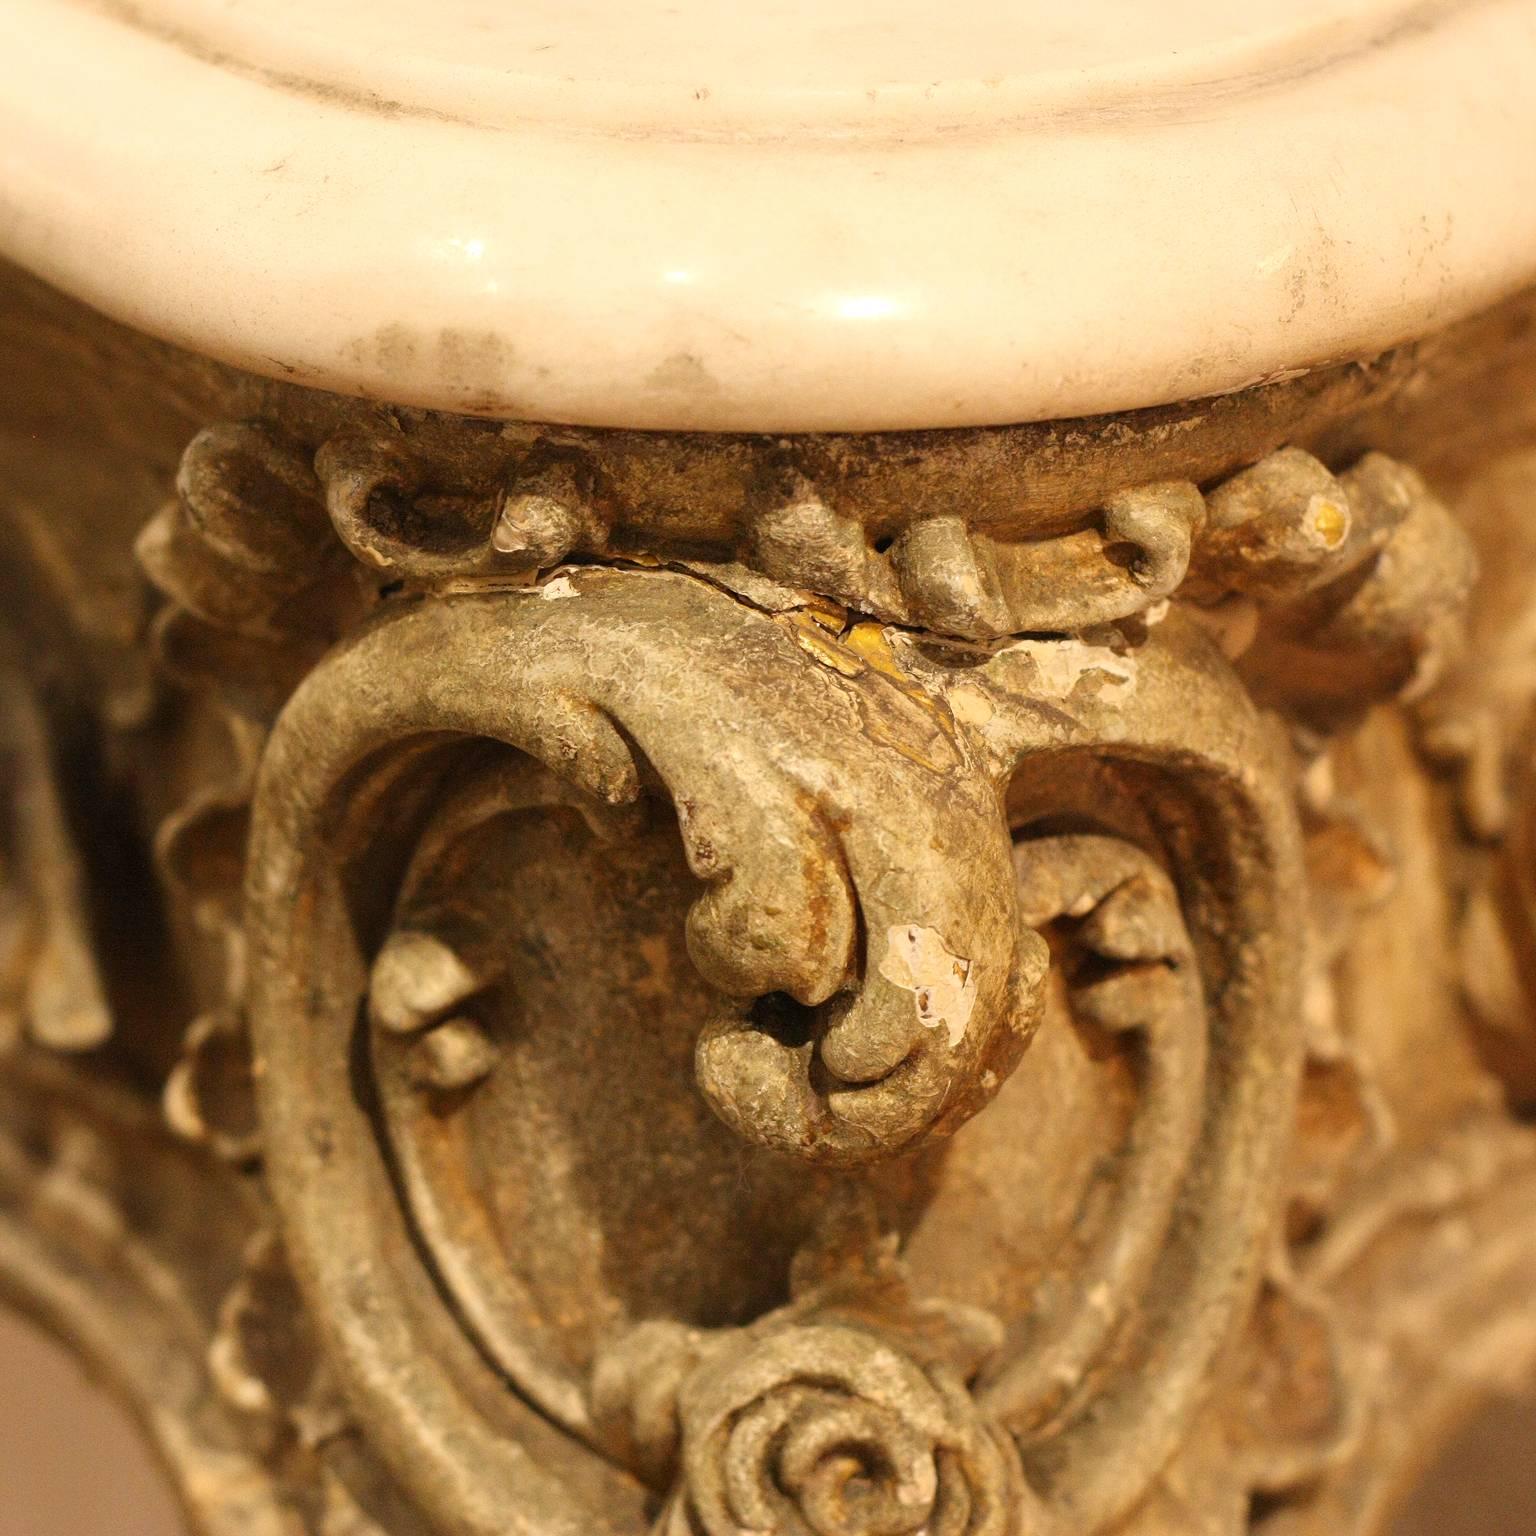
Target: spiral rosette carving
{"type": "Point", "coordinates": [830, 1430]}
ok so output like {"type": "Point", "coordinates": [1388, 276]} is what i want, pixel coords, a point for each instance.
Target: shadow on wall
{"type": "Point", "coordinates": [72, 1462]}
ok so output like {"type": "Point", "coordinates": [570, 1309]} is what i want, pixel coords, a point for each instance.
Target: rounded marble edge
{"type": "Point", "coordinates": [1035, 273]}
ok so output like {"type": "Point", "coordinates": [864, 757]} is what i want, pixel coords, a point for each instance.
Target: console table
{"type": "Point", "coordinates": [772, 771]}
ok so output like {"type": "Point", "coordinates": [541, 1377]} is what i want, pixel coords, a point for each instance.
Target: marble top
{"type": "Point", "coordinates": [798, 214]}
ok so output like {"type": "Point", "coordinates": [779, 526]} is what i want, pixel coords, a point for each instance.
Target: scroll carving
{"type": "Point", "coordinates": [823, 1019]}
{"type": "Point", "coordinates": [879, 831]}
{"type": "Point", "coordinates": [819, 1043]}
{"type": "Point", "coordinates": [790, 852]}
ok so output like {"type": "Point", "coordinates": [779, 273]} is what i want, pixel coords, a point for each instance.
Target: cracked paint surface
{"type": "Point", "coordinates": [941, 982]}
{"type": "Point", "coordinates": [1060, 665]}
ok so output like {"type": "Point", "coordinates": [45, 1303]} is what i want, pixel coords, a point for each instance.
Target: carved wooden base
{"type": "Point", "coordinates": [973, 983]}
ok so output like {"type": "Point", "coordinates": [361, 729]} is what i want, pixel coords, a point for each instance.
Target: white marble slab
{"type": "Point", "coordinates": [795, 215]}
